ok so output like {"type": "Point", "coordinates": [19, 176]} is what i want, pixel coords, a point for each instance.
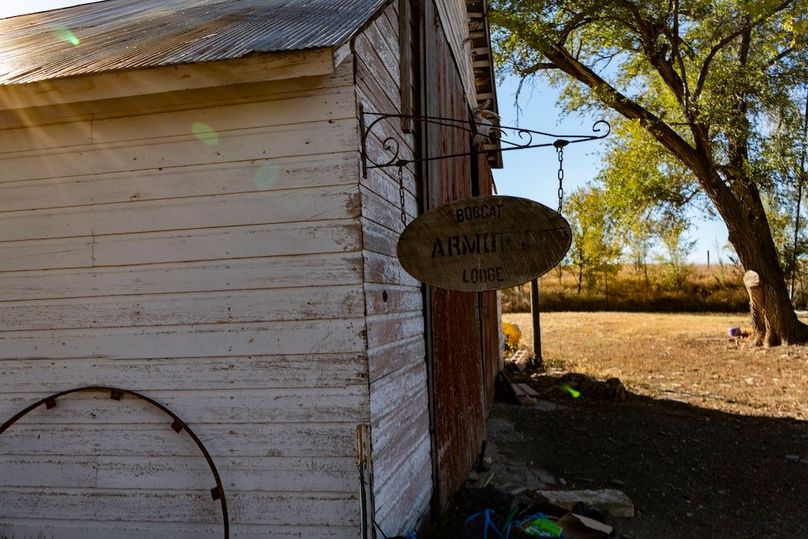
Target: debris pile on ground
{"type": "Point", "coordinates": [529, 388]}
{"type": "Point", "coordinates": [578, 385]}
{"type": "Point", "coordinates": [489, 512]}
{"type": "Point", "coordinates": [612, 502]}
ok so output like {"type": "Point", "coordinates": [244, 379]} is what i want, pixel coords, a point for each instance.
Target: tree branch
{"type": "Point", "coordinates": [577, 21]}
{"type": "Point", "coordinates": [675, 36]}
{"type": "Point", "coordinates": [781, 56]}
{"type": "Point", "coordinates": [677, 54]}
{"type": "Point", "coordinates": [705, 67]}
{"type": "Point", "coordinates": [738, 150]}
{"type": "Point", "coordinates": [535, 68]}
{"type": "Point", "coordinates": [629, 108]}
{"type": "Point", "coordinates": [648, 30]}
{"type": "Point", "coordinates": [729, 38]}
{"type": "Point", "coordinates": [677, 83]}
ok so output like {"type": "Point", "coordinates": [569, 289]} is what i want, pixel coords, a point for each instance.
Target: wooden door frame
{"type": "Point", "coordinates": [430, 192]}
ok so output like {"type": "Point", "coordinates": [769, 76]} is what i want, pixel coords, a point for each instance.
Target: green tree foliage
{"type": "Point", "coordinates": [677, 247]}
{"type": "Point", "coordinates": [643, 183]}
{"type": "Point", "coordinates": [648, 191]}
{"type": "Point", "coordinates": [595, 250]}
{"type": "Point", "coordinates": [706, 103]}
{"type": "Point", "coordinates": [637, 244]}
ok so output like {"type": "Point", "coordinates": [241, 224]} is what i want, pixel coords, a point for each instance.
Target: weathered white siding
{"type": "Point", "coordinates": [203, 248]}
{"type": "Point", "coordinates": [402, 470]}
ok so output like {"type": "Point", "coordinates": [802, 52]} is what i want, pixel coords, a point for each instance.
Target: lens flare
{"type": "Point", "coordinates": [205, 133]}
{"type": "Point", "coordinates": [68, 36]}
{"type": "Point", "coordinates": [574, 393]}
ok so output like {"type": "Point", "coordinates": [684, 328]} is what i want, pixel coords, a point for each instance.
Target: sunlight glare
{"type": "Point", "coordinates": [205, 133]}
{"type": "Point", "coordinates": [574, 393]}
{"type": "Point", "coordinates": [68, 36]}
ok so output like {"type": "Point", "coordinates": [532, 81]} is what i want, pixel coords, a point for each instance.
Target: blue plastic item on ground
{"type": "Point", "coordinates": [486, 523]}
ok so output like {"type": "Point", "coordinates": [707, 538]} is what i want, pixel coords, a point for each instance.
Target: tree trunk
{"type": "Point", "coordinates": [645, 270]}
{"type": "Point", "coordinates": [751, 281]}
{"type": "Point", "coordinates": [738, 201]}
{"type": "Point", "coordinates": [773, 319]}
{"type": "Point", "coordinates": [772, 324]}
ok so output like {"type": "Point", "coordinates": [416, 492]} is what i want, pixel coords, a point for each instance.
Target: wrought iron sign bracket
{"type": "Point", "coordinates": [485, 134]}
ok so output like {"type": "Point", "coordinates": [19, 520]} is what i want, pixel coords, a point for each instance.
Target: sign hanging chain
{"type": "Point", "coordinates": [401, 192]}
{"type": "Point", "coordinates": [559, 146]}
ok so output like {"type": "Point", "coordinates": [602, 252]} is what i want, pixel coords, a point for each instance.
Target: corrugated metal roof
{"type": "Point", "coordinates": [130, 34]}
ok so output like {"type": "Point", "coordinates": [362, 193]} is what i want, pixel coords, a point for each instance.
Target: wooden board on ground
{"type": "Point", "coordinates": [525, 394]}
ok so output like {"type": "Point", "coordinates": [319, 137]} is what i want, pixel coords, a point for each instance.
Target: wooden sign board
{"type": "Point", "coordinates": [484, 243]}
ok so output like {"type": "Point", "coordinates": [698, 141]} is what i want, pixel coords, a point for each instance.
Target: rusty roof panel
{"type": "Point", "coordinates": [130, 34]}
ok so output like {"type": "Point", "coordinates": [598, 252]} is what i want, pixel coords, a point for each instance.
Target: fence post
{"type": "Point", "coordinates": [534, 309]}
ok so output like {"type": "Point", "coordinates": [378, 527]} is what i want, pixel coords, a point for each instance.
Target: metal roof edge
{"type": "Point", "coordinates": [117, 35]}
{"type": "Point", "coordinates": [251, 68]}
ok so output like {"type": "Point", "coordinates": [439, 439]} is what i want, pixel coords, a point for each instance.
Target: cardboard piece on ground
{"type": "Point", "coordinates": [581, 527]}
{"type": "Point", "coordinates": [612, 502]}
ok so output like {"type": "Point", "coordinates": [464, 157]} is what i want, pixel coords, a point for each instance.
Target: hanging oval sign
{"type": "Point", "coordinates": [484, 243]}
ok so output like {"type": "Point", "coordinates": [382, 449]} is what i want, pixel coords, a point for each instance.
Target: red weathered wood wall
{"type": "Point", "coordinates": [464, 362]}
{"type": "Point", "coordinates": [490, 305]}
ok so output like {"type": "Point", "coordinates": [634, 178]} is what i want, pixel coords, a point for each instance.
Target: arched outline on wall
{"type": "Point", "coordinates": [177, 425]}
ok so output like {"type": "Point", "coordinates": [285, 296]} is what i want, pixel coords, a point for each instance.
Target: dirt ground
{"type": "Point", "coordinates": [681, 357]}
{"type": "Point", "coordinates": [709, 439]}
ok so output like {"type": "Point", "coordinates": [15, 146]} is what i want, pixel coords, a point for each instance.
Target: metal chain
{"type": "Point", "coordinates": [401, 193]}
{"type": "Point", "coordinates": [559, 146]}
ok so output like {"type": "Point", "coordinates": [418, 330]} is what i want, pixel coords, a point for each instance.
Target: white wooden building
{"type": "Point", "coordinates": [184, 214]}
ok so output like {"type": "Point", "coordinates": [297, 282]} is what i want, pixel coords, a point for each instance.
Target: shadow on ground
{"type": "Point", "coordinates": [690, 471]}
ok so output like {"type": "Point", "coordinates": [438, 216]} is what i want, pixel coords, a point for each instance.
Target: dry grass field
{"type": "Point", "coordinates": [697, 288]}
{"type": "Point", "coordinates": [684, 357]}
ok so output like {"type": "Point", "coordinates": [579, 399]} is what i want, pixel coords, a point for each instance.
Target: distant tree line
{"type": "Point", "coordinates": [612, 231]}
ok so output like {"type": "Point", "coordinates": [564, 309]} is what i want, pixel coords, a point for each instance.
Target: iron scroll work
{"type": "Point", "coordinates": [483, 242]}
{"type": "Point", "coordinates": [507, 138]}
{"type": "Point", "coordinates": [177, 425]}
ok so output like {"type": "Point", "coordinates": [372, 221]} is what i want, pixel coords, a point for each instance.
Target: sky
{"type": "Point", "coordinates": [527, 173]}
{"type": "Point", "coordinates": [9, 8]}
{"type": "Point", "coordinates": [533, 173]}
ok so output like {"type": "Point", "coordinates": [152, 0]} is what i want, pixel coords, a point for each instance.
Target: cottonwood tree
{"type": "Point", "coordinates": [647, 190]}
{"type": "Point", "coordinates": [676, 248]}
{"type": "Point", "coordinates": [710, 81]}
{"type": "Point", "coordinates": [638, 243]}
{"type": "Point", "coordinates": [595, 246]}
